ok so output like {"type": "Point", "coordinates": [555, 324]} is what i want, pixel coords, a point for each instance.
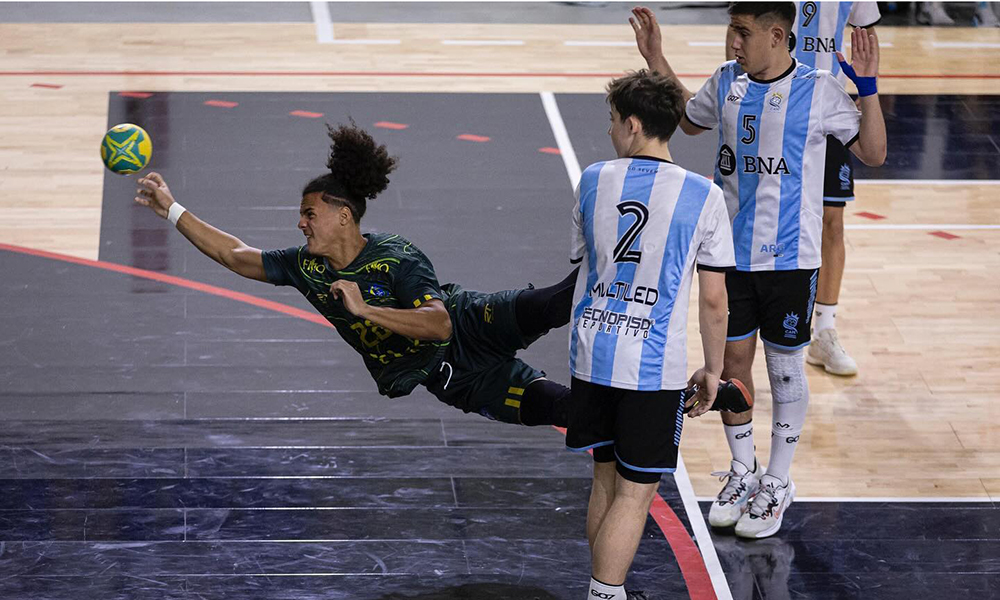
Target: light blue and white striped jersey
{"type": "Point", "coordinates": [639, 227]}
{"type": "Point", "coordinates": [819, 31]}
{"type": "Point", "coordinates": [772, 154]}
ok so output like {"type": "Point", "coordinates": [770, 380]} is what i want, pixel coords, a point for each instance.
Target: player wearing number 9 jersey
{"type": "Point", "coordinates": [381, 294]}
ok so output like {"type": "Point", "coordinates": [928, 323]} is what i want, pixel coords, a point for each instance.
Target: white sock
{"type": "Point", "coordinates": [790, 401]}
{"type": "Point", "coordinates": [824, 317]}
{"type": "Point", "coordinates": [740, 438]}
{"type": "Point", "coordinates": [604, 591]}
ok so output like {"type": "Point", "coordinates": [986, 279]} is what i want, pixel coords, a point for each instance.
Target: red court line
{"type": "Point", "coordinates": [688, 557]}
{"type": "Point", "coordinates": [405, 74]}
{"type": "Point", "coordinates": [178, 281]}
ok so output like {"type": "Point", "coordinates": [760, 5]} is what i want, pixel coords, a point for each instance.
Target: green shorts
{"type": "Point", "coordinates": [479, 371]}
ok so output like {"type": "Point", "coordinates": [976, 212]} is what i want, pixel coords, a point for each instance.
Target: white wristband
{"type": "Point", "coordinates": [176, 210]}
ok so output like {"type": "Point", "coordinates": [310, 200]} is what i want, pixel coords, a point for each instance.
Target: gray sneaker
{"type": "Point", "coordinates": [825, 351]}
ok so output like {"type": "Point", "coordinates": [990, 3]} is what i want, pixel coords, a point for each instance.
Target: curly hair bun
{"type": "Point", "coordinates": [356, 163]}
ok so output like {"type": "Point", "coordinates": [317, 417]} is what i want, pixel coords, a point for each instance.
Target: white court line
{"type": "Point", "coordinates": [697, 521]}
{"type": "Point", "coordinates": [854, 499]}
{"type": "Point", "coordinates": [483, 42]}
{"type": "Point", "coordinates": [695, 518]}
{"type": "Point", "coordinates": [562, 138]}
{"type": "Point", "coordinates": [366, 42]}
{"type": "Point", "coordinates": [321, 17]}
{"type": "Point", "coordinates": [925, 227]}
{"type": "Point", "coordinates": [717, 44]}
{"type": "Point", "coordinates": [598, 43]}
{"type": "Point", "coordinates": [928, 181]}
{"type": "Point", "coordinates": [964, 45]}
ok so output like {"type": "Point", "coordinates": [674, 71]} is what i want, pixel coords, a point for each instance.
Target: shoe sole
{"type": "Point", "coordinates": [817, 362]}
{"type": "Point", "coordinates": [774, 528]}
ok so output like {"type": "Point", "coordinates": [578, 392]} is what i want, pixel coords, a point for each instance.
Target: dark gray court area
{"type": "Point", "coordinates": [160, 442]}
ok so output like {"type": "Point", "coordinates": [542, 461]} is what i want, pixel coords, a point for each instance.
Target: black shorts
{"type": "Point", "coordinates": [479, 372]}
{"type": "Point", "coordinates": [838, 185]}
{"type": "Point", "coordinates": [641, 431]}
{"type": "Point", "coordinates": [778, 303]}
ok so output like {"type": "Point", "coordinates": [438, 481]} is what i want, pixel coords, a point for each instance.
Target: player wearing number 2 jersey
{"type": "Point", "coordinates": [641, 227]}
{"type": "Point", "coordinates": [774, 115]}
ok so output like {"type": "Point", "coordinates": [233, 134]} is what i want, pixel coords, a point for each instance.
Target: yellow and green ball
{"type": "Point", "coordinates": [126, 148]}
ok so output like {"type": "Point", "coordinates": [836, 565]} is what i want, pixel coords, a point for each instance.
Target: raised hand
{"type": "Point", "coordinates": [647, 33]}
{"type": "Point", "coordinates": [154, 193]}
{"type": "Point", "coordinates": [864, 52]}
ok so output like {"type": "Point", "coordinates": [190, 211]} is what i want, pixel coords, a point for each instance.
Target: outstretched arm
{"type": "Point", "coordinates": [863, 71]}
{"type": "Point", "coordinates": [227, 250]}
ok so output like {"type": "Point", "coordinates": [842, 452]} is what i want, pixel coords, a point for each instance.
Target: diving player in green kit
{"type": "Point", "coordinates": [381, 294]}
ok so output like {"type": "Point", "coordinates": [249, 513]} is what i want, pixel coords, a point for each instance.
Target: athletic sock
{"type": "Point", "coordinates": [740, 438]}
{"type": "Point", "coordinates": [825, 317]}
{"type": "Point", "coordinates": [604, 591]}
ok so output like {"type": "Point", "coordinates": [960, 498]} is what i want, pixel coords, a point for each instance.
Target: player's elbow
{"type": "Point", "coordinates": [872, 155]}
{"type": "Point", "coordinates": [440, 326]}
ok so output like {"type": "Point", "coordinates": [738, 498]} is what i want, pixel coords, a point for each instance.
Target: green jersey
{"type": "Point", "coordinates": [390, 271]}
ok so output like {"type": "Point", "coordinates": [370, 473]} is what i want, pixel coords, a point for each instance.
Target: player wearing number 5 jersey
{"type": "Point", "coordinates": [818, 33]}
{"type": "Point", "coordinates": [774, 115]}
{"type": "Point", "coordinates": [381, 294]}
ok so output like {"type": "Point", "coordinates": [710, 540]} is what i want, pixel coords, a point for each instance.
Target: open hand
{"type": "Point", "coordinates": [647, 33]}
{"type": "Point", "coordinates": [864, 52]}
{"type": "Point", "coordinates": [154, 193]}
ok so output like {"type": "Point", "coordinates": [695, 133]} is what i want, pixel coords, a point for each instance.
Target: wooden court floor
{"type": "Point", "coordinates": [920, 311]}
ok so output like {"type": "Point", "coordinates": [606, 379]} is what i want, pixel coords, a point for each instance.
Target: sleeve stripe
{"type": "Point", "coordinates": [853, 139]}
{"type": "Point", "coordinates": [715, 269]}
{"type": "Point", "coordinates": [575, 261]}
{"type": "Point", "coordinates": [695, 124]}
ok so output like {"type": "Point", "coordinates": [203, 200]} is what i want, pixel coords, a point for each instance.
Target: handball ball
{"type": "Point", "coordinates": [126, 148]}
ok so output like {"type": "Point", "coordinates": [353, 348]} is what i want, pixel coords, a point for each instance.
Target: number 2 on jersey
{"type": "Point", "coordinates": [623, 251]}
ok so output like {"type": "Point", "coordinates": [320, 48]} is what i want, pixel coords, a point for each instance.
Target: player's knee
{"type": "Point", "coordinates": [787, 374]}
{"type": "Point", "coordinates": [545, 403]}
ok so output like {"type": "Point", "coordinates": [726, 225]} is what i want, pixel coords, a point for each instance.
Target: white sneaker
{"type": "Point", "coordinates": [732, 501]}
{"type": "Point", "coordinates": [932, 13]}
{"type": "Point", "coordinates": [767, 508]}
{"type": "Point", "coordinates": [985, 17]}
{"type": "Point", "coordinates": [825, 351]}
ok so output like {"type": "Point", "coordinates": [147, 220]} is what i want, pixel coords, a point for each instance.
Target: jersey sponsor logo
{"type": "Point", "coordinates": [381, 265]}
{"type": "Point", "coordinates": [619, 290]}
{"type": "Point", "coordinates": [488, 314]}
{"type": "Point", "coordinates": [775, 101]}
{"type": "Point", "coordinates": [776, 250]}
{"type": "Point", "coordinates": [791, 325]}
{"type": "Point", "coordinates": [733, 98]}
{"type": "Point", "coordinates": [314, 266]}
{"type": "Point", "coordinates": [607, 321]}
{"type": "Point", "coordinates": [819, 44]}
{"type": "Point", "coordinates": [845, 177]}
{"type": "Point", "coordinates": [765, 165]}
{"type": "Point", "coordinates": [727, 160]}
{"type": "Point", "coordinates": [378, 291]}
